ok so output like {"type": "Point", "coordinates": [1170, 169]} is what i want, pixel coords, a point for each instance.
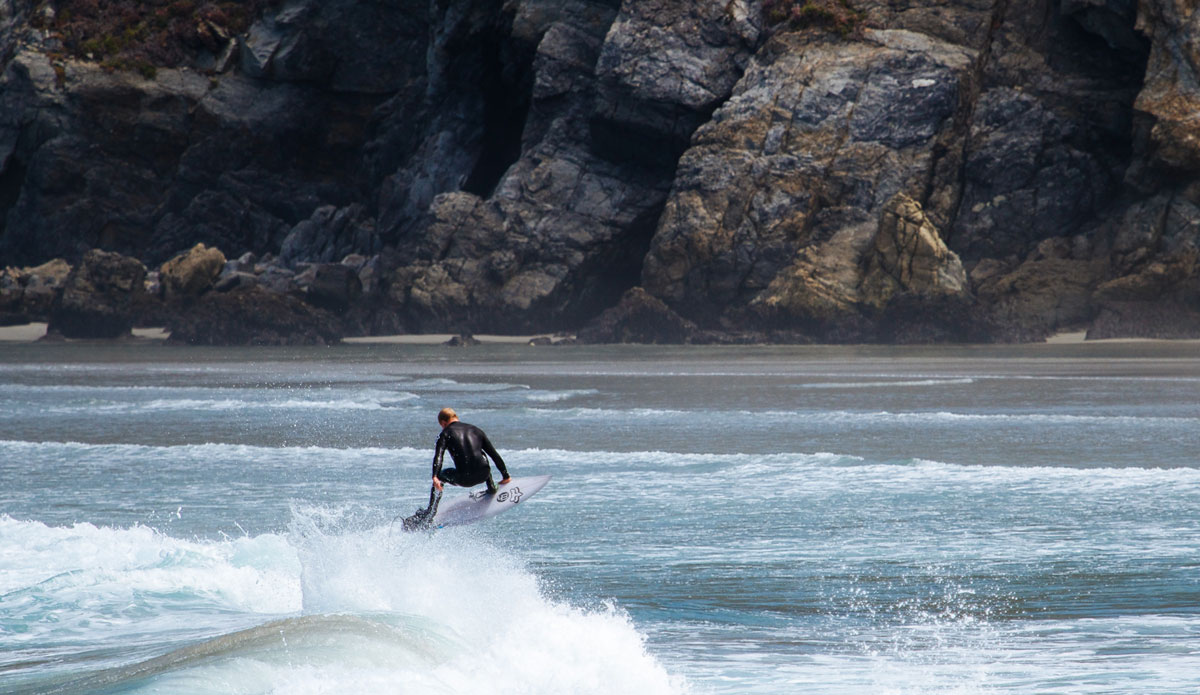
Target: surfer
{"type": "Point", "coordinates": [470, 448]}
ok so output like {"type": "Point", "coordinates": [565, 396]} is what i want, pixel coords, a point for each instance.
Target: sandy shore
{"type": "Point", "coordinates": [32, 331]}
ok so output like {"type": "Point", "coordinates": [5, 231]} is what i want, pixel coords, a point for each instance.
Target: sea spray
{"type": "Point", "coordinates": [335, 605]}
{"type": "Point", "coordinates": [474, 606]}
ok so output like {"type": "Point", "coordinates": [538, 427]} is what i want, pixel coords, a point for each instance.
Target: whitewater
{"type": "Point", "coordinates": [721, 520]}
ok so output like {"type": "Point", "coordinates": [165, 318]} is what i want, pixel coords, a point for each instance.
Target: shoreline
{"type": "Point", "coordinates": [32, 332]}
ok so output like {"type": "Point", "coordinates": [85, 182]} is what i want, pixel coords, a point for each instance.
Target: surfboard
{"type": "Point", "coordinates": [479, 505]}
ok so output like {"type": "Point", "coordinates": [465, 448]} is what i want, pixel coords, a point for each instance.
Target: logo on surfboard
{"type": "Point", "coordinates": [512, 494]}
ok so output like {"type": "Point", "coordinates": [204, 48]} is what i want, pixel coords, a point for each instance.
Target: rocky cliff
{"type": "Point", "coordinates": [818, 170]}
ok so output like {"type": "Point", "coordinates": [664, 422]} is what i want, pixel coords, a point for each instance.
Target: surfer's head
{"type": "Point", "coordinates": [446, 416]}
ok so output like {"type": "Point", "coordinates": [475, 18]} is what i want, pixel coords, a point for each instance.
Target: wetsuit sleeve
{"type": "Point", "coordinates": [492, 453]}
{"type": "Point", "coordinates": [439, 451]}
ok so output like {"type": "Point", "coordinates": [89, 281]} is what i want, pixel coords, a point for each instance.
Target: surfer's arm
{"type": "Point", "coordinates": [439, 451]}
{"type": "Point", "coordinates": [495, 456]}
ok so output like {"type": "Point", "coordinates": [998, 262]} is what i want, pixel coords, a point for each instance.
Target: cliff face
{"type": "Point", "coordinates": [987, 170]}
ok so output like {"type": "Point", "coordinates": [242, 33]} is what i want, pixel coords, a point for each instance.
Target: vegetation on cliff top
{"type": "Point", "coordinates": [833, 15]}
{"type": "Point", "coordinates": [144, 35]}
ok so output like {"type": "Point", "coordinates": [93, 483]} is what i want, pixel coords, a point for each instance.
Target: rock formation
{"type": "Point", "coordinates": [99, 297]}
{"type": "Point", "coordinates": [764, 169]}
{"type": "Point", "coordinates": [27, 294]}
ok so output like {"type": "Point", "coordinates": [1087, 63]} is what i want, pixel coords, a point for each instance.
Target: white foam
{"type": "Point", "coordinates": [445, 611]}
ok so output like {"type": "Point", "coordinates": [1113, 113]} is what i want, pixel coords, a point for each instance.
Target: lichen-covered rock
{"type": "Point", "coordinates": [98, 298]}
{"type": "Point", "coordinates": [192, 273]}
{"type": "Point", "coordinates": [908, 255]}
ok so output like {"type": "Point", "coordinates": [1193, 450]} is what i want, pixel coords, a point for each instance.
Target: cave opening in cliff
{"type": "Point", "coordinates": [607, 276]}
{"type": "Point", "coordinates": [12, 179]}
{"type": "Point", "coordinates": [1102, 45]}
{"type": "Point", "coordinates": [506, 98]}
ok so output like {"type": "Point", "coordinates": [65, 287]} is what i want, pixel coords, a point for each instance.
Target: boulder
{"type": "Point", "coordinates": [190, 274]}
{"type": "Point", "coordinates": [464, 340]}
{"type": "Point", "coordinates": [99, 297]}
{"type": "Point", "coordinates": [27, 294]}
{"type": "Point", "coordinates": [252, 316]}
{"type": "Point", "coordinates": [638, 318]}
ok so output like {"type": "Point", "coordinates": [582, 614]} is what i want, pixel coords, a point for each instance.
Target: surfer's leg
{"type": "Point", "coordinates": [422, 517]}
{"type": "Point", "coordinates": [435, 498]}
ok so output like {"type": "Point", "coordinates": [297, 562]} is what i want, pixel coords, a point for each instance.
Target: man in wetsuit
{"type": "Point", "coordinates": [467, 445]}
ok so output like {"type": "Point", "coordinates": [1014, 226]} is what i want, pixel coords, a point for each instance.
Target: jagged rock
{"type": "Point", "coordinates": [1170, 95]}
{"type": "Point", "coordinates": [561, 232]}
{"type": "Point", "coordinates": [515, 166]}
{"type": "Point", "coordinates": [252, 316]}
{"type": "Point", "coordinates": [769, 183]}
{"type": "Point", "coordinates": [665, 66]}
{"type": "Point", "coordinates": [96, 157]}
{"type": "Point", "coordinates": [638, 318]}
{"type": "Point", "coordinates": [97, 299]}
{"type": "Point", "coordinates": [353, 47]}
{"type": "Point", "coordinates": [27, 294]}
{"type": "Point", "coordinates": [329, 234]}
{"type": "Point", "coordinates": [192, 273]}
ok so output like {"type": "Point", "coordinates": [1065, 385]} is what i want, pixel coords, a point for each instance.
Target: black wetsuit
{"type": "Point", "coordinates": [467, 445]}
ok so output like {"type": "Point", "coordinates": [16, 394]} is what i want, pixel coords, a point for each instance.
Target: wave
{"type": "Point", "coordinates": [82, 452]}
{"type": "Point", "coordinates": [365, 609]}
{"type": "Point", "coordinates": [554, 396]}
{"type": "Point", "coordinates": [888, 383]}
{"type": "Point", "coordinates": [74, 449]}
{"type": "Point", "coordinates": [861, 417]}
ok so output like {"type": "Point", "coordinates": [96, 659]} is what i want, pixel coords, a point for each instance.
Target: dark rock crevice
{"type": "Point", "coordinates": [506, 92]}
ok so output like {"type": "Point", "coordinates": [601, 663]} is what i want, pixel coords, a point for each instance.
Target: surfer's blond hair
{"type": "Point", "coordinates": [447, 414]}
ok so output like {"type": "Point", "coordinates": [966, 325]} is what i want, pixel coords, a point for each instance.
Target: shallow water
{"type": "Point", "coordinates": [721, 520]}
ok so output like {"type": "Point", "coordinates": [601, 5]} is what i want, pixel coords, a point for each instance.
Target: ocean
{"type": "Point", "coordinates": [852, 520]}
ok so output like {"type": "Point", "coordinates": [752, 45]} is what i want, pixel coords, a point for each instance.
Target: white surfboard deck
{"type": "Point", "coordinates": [480, 505]}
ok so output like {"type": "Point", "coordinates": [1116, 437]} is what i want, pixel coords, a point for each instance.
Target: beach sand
{"type": "Point", "coordinates": [33, 331]}
{"type": "Point", "coordinates": [30, 332]}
